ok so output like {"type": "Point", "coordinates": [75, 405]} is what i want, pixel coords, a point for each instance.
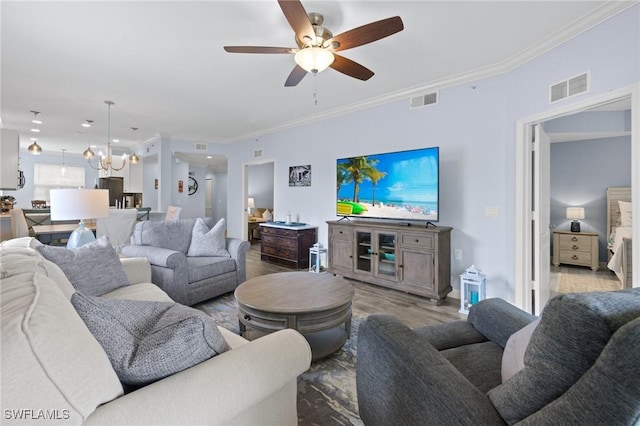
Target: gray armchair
{"type": "Point", "coordinates": [186, 279]}
{"type": "Point", "coordinates": [581, 366]}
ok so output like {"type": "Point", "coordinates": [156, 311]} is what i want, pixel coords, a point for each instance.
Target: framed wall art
{"type": "Point", "coordinates": [300, 175]}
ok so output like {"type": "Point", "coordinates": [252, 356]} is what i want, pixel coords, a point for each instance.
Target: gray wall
{"type": "Point", "coordinates": [260, 184]}
{"type": "Point", "coordinates": [581, 171]}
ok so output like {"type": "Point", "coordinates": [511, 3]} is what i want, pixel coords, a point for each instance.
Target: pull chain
{"type": "Point", "coordinates": [315, 89]}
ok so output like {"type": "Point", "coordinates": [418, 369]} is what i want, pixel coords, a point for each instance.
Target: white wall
{"type": "Point", "coordinates": [475, 130]}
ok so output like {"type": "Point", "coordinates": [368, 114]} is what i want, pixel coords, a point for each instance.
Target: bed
{"type": "Point", "coordinates": [619, 235]}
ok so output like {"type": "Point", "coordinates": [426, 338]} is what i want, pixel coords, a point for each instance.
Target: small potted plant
{"type": "Point", "coordinates": [7, 202]}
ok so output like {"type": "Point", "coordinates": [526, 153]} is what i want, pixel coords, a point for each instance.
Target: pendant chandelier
{"type": "Point", "coordinates": [106, 161]}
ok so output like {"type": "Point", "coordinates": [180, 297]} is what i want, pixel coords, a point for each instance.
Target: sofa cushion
{"type": "Point", "coordinates": [173, 235]}
{"type": "Point", "coordinates": [146, 341]}
{"type": "Point", "coordinates": [450, 334]}
{"type": "Point", "coordinates": [208, 242]}
{"type": "Point", "coordinates": [52, 360]}
{"type": "Point", "coordinates": [573, 330]}
{"type": "Point", "coordinates": [201, 268]}
{"type": "Point", "coordinates": [479, 363]}
{"type": "Point", "coordinates": [93, 269]}
{"type": "Point", "coordinates": [513, 356]}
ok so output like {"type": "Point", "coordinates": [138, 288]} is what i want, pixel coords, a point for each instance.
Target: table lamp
{"type": "Point", "coordinates": [575, 214]}
{"type": "Point", "coordinates": [72, 204]}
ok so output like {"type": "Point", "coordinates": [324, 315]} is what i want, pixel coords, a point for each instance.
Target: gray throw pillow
{"type": "Point", "coordinates": [208, 242]}
{"type": "Point", "coordinates": [93, 268]}
{"type": "Point", "coordinates": [146, 341]}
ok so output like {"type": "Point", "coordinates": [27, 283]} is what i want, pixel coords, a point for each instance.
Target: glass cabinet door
{"type": "Point", "coordinates": [386, 255]}
{"type": "Point", "coordinates": [364, 252]}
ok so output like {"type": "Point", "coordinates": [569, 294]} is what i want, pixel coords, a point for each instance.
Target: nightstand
{"type": "Point", "coordinates": [576, 248]}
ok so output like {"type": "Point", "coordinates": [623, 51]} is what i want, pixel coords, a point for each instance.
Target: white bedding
{"type": "Point", "coordinates": [614, 244]}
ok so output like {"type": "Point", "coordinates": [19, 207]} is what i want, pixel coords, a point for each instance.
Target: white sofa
{"type": "Point", "coordinates": [54, 371]}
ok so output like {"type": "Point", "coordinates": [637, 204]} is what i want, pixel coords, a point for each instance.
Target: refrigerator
{"type": "Point", "coordinates": [115, 185]}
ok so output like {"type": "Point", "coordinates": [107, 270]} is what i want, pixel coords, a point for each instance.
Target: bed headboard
{"type": "Point", "coordinates": [615, 194]}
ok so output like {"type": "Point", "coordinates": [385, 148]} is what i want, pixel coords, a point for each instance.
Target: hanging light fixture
{"type": "Point", "coordinates": [314, 59]}
{"type": "Point", "coordinates": [34, 148]}
{"type": "Point", "coordinates": [63, 168]}
{"type": "Point", "coordinates": [134, 158]}
{"type": "Point", "coordinates": [105, 162]}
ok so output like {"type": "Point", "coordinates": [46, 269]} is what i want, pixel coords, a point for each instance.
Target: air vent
{"type": "Point", "coordinates": [257, 153]}
{"type": "Point", "coordinates": [571, 87]}
{"type": "Point", "coordinates": [424, 100]}
{"type": "Point", "coordinates": [201, 147]}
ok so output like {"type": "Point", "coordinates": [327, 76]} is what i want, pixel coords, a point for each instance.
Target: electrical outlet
{"type": "Point", "coordinates": [458, 254]}
{"type": "Point", "coordinates": [491, 211]}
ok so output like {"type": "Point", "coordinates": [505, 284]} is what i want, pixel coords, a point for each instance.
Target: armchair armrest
{"type": "Point", "coordinates": [220, 389]}
{"type": "Point", "coordinates": [402, 379]}
{"type": "Point", "coordinates": [498, 319]}
{"type": "Point", "coordinates": [238, 248]}
{"type": "Point", "coordinates": [138, 269]}
{"type": "Point", "coordinates": [156, 255]}
{"type": "Point", "coordinates": [169, 269]}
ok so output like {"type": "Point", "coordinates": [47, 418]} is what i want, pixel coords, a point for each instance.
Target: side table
{"type": "Point", "coordinates": [576, 248]}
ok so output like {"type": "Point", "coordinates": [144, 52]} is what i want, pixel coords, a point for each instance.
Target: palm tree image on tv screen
{"type": "Point", "coordinates": [401, 185]}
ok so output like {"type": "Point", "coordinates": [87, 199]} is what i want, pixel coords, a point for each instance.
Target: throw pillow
{"type": "Point", "coordinates": [146, 341]}
{"type": "Point", "coordinates": [513, 355]}
{"type": "Point", "coordinates": [267, 215]}
{"type": "Point", "coordinates": [208, 242]}
{"type": "Point", "coordinates": [625, 213]}
{"type": "Point", "coordinates": [93, 269]}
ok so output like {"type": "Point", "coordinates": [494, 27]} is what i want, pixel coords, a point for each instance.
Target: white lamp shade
{"type": "Point", "coordinates": [314, 59]}
{"type": "Point", "coordinates": [251, 203]}
{"type": "Point", "coordinates": [575, 213]}
{"type": "Point", "coordinates": [72, 204]}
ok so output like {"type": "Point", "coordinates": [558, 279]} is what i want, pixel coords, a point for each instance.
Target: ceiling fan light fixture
{"type": "Point", "coordinates": [314, 59]}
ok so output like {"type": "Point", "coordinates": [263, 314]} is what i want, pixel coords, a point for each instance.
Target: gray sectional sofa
{"type": "Point", "coordinates": [578, 365]}
{"type": "Point", "coordinates": [187, 279]}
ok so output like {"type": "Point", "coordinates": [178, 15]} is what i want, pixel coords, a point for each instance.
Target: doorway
{"type": "Point", "coordinates": [258, 196]}
{"type": "Point", "coordinates": [531, 221]}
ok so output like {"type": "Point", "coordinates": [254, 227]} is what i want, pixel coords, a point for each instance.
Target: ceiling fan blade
{"type": "Point", "coordinates": [297, 17]}
{"type": "Point", "coordinates": [367, 33]}
{"type": "Point", "coordinates": [351, 68]}
{"type": "Point", "coordinates": [257, 49]}
{"type": "Point", "coordinates": [295, 77]}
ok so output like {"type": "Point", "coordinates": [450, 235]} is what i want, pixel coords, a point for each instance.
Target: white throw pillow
{"type": "Point", "coordinates": [267, 215]}
{"type": "Point", "coordinates": [625, 213]}
{"type": "Point", "coordinates": [513, 355]}
{"type": "Point", "coordinates": [208, 242]}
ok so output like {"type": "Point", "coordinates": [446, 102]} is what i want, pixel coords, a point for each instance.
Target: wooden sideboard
{"type": "Point", "coordinates": [287, 245]}
{"type": "Point", "coordinates": [412, 259]}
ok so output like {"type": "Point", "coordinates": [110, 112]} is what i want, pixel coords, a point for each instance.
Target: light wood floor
{"type": "Point", "coordinates": [370, 299]}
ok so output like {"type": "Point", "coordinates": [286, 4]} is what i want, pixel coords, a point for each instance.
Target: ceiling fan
{"type": "Point", "coordinates": [317, 45]}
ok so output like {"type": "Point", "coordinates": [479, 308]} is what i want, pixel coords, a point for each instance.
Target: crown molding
{"type": "Point", "coordinates": [579, 26]}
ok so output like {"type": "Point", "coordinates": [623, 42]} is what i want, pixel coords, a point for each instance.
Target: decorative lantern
{"type": "Point", "coordinates": [472, 288]}
{"type": "Point", "coordinates": [317, 258]}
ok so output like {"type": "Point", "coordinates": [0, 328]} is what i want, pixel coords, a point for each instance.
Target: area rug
{"type": "Point", "coordinates": [327, 391]}
{"type": "Point", "coordinates": [575, 283]}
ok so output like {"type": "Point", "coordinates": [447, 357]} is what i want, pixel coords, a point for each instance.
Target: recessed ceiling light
{"type": "Point", "coordinates": [115, 140]}
{"type": "Point", "coordinates": [209, 157]}
{"type": "Point", "coordinates": [87, 123]}
{"type": "Point", "coordinates": [34, 130]}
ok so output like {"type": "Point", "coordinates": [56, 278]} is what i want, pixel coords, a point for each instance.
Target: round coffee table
{"type": "Point", "coordinates": [316, 305]}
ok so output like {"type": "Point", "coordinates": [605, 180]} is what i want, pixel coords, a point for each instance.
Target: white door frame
{"type": "Point", "coordinates": [524, 185]}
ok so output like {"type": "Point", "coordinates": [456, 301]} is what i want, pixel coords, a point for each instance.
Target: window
{"type": "Point", "coordinates": [49, 176]}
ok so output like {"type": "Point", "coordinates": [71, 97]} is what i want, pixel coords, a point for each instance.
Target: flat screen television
{"type": "Point", "coordinates": [402, 185]}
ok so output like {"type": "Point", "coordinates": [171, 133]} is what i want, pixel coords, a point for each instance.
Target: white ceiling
{"type": "Point", "coordinates": [164, 66]}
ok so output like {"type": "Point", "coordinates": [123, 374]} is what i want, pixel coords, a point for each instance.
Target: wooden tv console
{"type": "Point", "coordinates": [410, 258]}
